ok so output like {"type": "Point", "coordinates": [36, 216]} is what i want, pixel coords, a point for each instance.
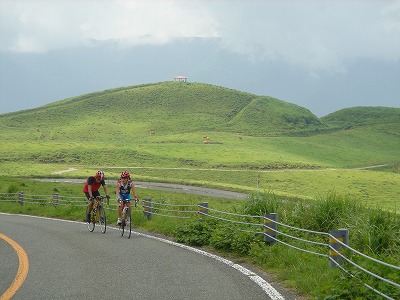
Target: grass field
{"type": "Point", "coordinates": [296, 166]}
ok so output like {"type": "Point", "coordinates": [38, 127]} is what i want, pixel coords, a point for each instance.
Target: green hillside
{"type": "Point", "coordinates": [208, 135]}
{"type": "Point", "coordinates": [167, 108]}
{"type": "Point", "coordinates": [363, 116]}
{"type": "Point", "coordinates": [242, 131]}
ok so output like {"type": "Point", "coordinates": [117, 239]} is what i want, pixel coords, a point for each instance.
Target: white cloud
{"type": "Point", "coordinates": [317, 35]}
{"type": "Point", "coordinates": [40, 26]}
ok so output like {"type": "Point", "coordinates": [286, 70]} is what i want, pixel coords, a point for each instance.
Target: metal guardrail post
{"type": "Point", "coordinates": [270, 227]}
{"type": "Point", "coordinates": [147, 208]}
{"type": "Point", "coordinates": [341, 235]}
{"type": "Point", "coordinates": [21, 197]}
{"type": "Point", "coordinates": [202, 209]}
{"type": "Point", "coordinates": [55, 200]}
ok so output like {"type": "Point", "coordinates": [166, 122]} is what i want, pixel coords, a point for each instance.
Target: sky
{"type": "Point", "coordinates": [324, 55]}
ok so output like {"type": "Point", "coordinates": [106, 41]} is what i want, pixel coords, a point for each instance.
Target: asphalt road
{"type": "Point", "coordinates": [66, 261]}
{"type": "Point", "coordinates": [188, 189]}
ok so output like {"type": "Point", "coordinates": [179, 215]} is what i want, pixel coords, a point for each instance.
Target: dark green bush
{"type": "Point", "coordinates": [197, 233]}
{"type": "Point", "coordinates": [221, 238]}
{"type": "Point", "coordinates": [12, 189]}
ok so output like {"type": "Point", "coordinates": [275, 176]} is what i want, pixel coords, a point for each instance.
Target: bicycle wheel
{"type": "Point", "coordinates": [129, 223]}
{"type": "Point", "coordinates": [90, 225]}
{"type": "Point", "coordinates": [102, 219]}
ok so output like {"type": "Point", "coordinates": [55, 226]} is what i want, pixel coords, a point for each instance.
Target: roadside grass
{"type": "Point", "coordinates": [376, 189]}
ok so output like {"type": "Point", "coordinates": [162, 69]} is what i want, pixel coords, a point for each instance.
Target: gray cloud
{"type": "Point", "coordinates": [318, 35]}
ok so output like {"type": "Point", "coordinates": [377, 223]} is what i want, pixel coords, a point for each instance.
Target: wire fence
{"type": "Point", "coordinates": [331, 245]}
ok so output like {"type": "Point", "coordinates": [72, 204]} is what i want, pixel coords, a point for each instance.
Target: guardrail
{"type": "Point", "coordinates": [332, 245]}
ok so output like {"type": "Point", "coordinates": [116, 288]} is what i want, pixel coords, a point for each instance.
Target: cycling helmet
{"type": "Point", "coordinates": [100, 175]}
{"type": "Point", "coordinates": [125, 174]}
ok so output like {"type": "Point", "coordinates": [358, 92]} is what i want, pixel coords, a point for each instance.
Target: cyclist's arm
{"type": "Point", "coordinates": [105, 189]}
{"type": "Point", "coordinates": [90, 191]}
{"type": "Point", "coordinates": [135, 195]}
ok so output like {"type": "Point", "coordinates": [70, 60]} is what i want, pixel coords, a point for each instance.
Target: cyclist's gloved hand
{"type": "Point", "coordinates": [91, 198]}
{"type": "Point", "coordinates": [108, 197]}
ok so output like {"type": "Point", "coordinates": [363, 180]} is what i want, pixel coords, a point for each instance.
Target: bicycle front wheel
{"type": "Point", "coordinates": [102, 219]}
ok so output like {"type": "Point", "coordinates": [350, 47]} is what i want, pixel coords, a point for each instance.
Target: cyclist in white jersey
{"type": "Point", "coordinates": [123, 192]}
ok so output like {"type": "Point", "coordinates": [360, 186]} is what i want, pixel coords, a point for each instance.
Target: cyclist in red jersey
{"type": "Point", "coordinates": [91, 190]}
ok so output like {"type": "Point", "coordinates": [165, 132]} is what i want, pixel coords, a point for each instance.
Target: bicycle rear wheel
{"type": "Point", "coordinates": [102, 219]}
{"type": "Point", "coordinates": [90, 225]}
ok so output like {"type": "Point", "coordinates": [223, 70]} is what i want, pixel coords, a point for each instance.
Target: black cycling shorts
{"type": "Point", "coordinates": [95, 194]}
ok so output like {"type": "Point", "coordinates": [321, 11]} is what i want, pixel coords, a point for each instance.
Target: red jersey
{"type": "Point", "coordinates": [95, 185]}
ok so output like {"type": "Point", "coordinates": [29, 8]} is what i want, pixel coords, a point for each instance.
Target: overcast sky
{"type": "Point", "coordinates": [323, 55]}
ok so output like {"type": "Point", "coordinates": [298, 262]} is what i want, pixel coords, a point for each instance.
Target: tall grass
{"type": "Point", "coordinates": [372, 231]}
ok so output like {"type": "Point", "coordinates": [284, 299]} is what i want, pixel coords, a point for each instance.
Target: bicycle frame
{"type": "Point", "coordinates": [98, 215]}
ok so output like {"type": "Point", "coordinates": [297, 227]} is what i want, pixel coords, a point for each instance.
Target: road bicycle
{"type": "Point", "coordinates": [98, 215]}
{"type": "Point", "coordinates": [126, 220]}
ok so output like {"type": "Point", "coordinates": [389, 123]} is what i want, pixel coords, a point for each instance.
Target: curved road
{"type": "Point", "coordinates": [188, 189]}
{"type": "Point", "coordinates": [66, 261]}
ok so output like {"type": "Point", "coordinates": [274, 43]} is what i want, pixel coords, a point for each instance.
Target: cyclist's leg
{"type": "Point", "coordinates": [127, 201]}
{"type": "Point", "coordinates": [119, 210]}
{"type": "Point", "coordinates": [95, 195]}
{"type": "Point", "coordinates": [129, 204]}
{"type": "Point", "coordinates": [89, 207]}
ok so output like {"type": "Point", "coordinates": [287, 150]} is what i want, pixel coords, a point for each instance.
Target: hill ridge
{"type": "Point", "coordinates": [185, 107]}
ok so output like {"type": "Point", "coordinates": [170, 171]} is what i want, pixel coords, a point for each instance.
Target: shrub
{"type": "Point", "coordinates": [195, 234]}
{"type": "Point", "coordinates": [12, 189]}
{"type": "Point", "coordinates": [222, 237]}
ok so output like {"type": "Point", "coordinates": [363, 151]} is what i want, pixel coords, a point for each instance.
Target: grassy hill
{"type": "Point", "coordinates": [109, 125]}
{"type": "Point", "coordinates": [200, 126]}
{"type": "Point", "coordinates": [363, 115]}
{"type": "Point", "coordinates": [167, 108]}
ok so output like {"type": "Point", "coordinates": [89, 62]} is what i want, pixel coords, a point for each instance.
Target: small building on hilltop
{"type": "Point", "coordinates": [180, 78]}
